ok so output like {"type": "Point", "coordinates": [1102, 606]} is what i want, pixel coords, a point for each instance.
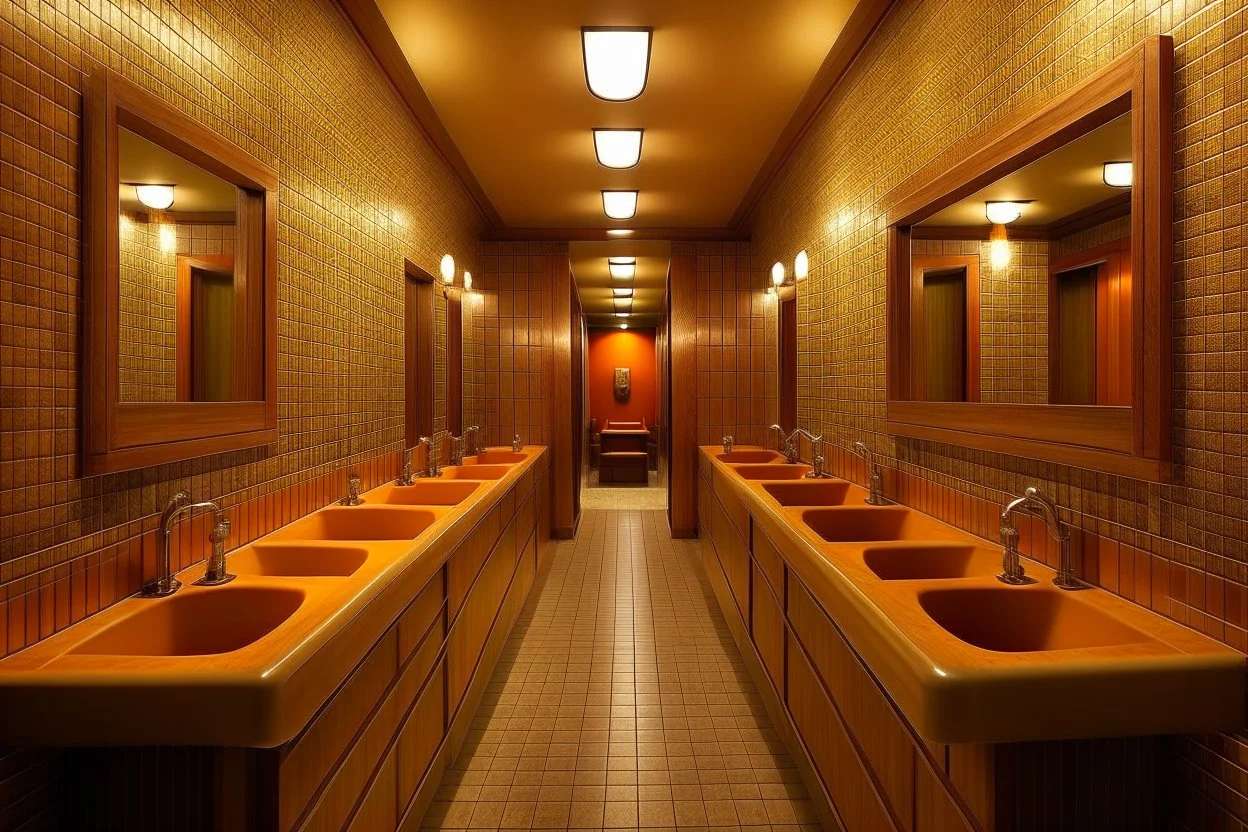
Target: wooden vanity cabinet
{"type": "Point", "coordinates": [372, 756]}
{"type": "Point", "coordinates": [866, 767]}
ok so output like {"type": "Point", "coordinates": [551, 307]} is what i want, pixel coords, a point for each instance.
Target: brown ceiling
{"type": "Point", "coordinates": [594, 281]}
{"type": "Point", "coordinates": [507, 81]}
{"type": "Point", "coordinates": [1065, 181]}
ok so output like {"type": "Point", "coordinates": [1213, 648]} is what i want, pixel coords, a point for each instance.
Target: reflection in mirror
{"type": "Point", "coordinates": [178, 308]}
{"type": "Point", "coordinates": [1021, 292]}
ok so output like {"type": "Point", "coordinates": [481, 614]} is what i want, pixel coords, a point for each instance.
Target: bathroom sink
{"type": "Point", "coordinates": [933, 561]}
{"type": "Point", "coordinates": [1024, 619]}
{"type": "Point", "coordinates": [864, 524]}
{"type": "Point", "coordinates": [805, 492]}
{"type": "Point", "coordinates": [366, 522]}
{"type": "Point", "coordinates": [293, 560]}
{"type": "Point", "coordinates": [429, 492]}
{"type": "Point", "coordinates": [197, 622]}
{"type": "Point", "coordinates": [771, 471]}
{"type": "Point", "coordinates": [495, 457]}
{"type": "Point", "coordinates": [476, 472]}
{"type": "Point", "coordinates": [750, 456]}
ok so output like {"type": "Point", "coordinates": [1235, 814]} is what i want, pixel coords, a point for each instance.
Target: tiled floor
{"type": "Point", "coordinates": [621, 702]}
{"type": "Point", "coordinates": [652, 495]}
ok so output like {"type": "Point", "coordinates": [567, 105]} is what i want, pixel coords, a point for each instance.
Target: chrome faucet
{"type": "Point", "coordinates": [405, 476]}
{"type": "Point", "coordinates": [875, 497]}
{"type": "Point", "coordinates": [433, 466]}
{"type": "Point", "coordinates": [475, 432]}
{"type": "Point", "coordinates": [516, 445]}
{"type": "Point", "coordinates": [1011, 567]}
{"type": "Point", "coordinates": [781, 446]}
{"type": "Point", "coordinates": [458, 444]}
{"type": "Point", "coordinates": [215, 574]}
{"type": "Point", "coordinates": [179, 506]}
{"type": "Point", "coordinates": [792, 444]}
{"type": "Point", "coordinates": [817, 462]}
{"type": "Point", "coordinates": [728, 440]}
{"type": "Point", "coordinates": [353, 497]}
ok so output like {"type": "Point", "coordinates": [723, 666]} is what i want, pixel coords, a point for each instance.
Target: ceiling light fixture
{"type": "Point", "coordinates": [1001, 213]}
{"type": "Point", "coordinates": [617, 60]}
{"type": "Point", "coordinates": [1118, 174]}
{"type": "Point", "coordinates": [624, 326]}
{"type": "Point", "coordinates": [622, 293]}
{"type": "Point", "coordinates": [619, 205]}
{"type": "Point", "coordinates": [621, 314]}
{"type": "Point", "coordinates": [156, 197]}
{"type": "Point", "coordinates": [447, 268]}
{"type": "Point", "coordinates": [620, 232]}
{"type": "Point", "coordinates": [622, 268]}
{"type": "Point", "coordinates": [618, 147]}
{"type": "Point", "coordinates": [801, 265]}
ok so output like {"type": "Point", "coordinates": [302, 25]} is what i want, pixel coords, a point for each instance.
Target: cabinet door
{"type": "Point", "coordinates": [767, 629]}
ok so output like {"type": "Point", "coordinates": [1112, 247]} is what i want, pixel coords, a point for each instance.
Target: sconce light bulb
{"type": "Point", "coordinates": [467, 281]}
{"type": "Point", "coordinates": [777, 274]}
{"type": "Point", "coordinates": [801, 265]}
{"type": "Point", "coordinates": [448, 269]}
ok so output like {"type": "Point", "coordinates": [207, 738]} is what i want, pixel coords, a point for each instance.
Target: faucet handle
{"type": "Point", "coordinates": [221, 531]}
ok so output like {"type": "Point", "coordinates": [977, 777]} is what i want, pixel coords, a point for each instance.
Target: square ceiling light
{"type": "Point", "coordinates": [617, 60]}
{"type": "Point", "coordinates": [618, 147]}
{"type": "Point", "coordinates": [619, 205]}
{"type": "Point", "coordinates": [622, 268]}
{"type": "Point", "coordinates": [622, 293]}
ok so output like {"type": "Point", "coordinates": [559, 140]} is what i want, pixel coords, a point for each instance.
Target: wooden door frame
{"type": "Point", "coordinates": [418, 394]}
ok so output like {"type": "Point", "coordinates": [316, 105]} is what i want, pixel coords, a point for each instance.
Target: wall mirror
{"type": "Point", "coordinates": [180, 340]}
{"type": "Point", "coordinates": [1029, 283]}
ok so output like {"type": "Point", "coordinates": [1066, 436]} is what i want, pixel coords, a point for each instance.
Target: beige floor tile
{"type": "Point", "coordinates": [620, 701]}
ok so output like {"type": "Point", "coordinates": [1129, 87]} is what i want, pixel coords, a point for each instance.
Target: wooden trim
{"type": "Point", "coordinates": [1101, 428]}
{"type": "Point", "coordinates": [975, 232]}
{"type": "Point", "coordinates": [375, 33]}
{"type": "Point", "coordinates": [454, 364]}
{"type": "Point", "coordinates": [112, 430]}
{"type": "Point", "coordinates": [418, 360]}
{"type": "Point", "coordinates": [862, 23]}
{"type": "Point", "coordinates": [1139, 82]}
{"type": "Point", "coordinates": [1111, 340]}
{"type": "Point", "coordinates": [565, 428]}
{"type": "Point", "coordinates": [183, 322]}
{"type": "Point", "coordinates": [202, 217]}
{"type": "Point", "coordinates": [682, 506]}
{"type": "Point", "coordinates": [786, 332]}
{"type": "Point", "coordinates": [1118, 205]}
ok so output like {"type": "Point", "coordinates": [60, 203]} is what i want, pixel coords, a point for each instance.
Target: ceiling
{"type": "Point", "coordinates": [196, 190]}
{"type": "Point", "coordinates": [594, 281]}
{"type": "Point", "coordinates": [1065, 181]}
{"type": "Point", "coordinates": [507, 82]}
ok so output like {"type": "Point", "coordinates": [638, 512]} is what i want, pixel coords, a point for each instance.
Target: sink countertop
{"type": "Point", "coordinates": [260, 695]}
{"type": "Point", "coordinates": [1172, 680]}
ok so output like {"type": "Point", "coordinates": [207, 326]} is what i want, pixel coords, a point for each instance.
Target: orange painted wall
{"type": "Point", "coordinates": [611, 348]}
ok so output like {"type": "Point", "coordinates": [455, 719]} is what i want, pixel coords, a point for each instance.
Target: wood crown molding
{"type": "Point", "coordinates": [515, 235]}
{"type": "Point", "coordinates": [862, 23]}
{"type": "Point", "coordinates": [371, 26]}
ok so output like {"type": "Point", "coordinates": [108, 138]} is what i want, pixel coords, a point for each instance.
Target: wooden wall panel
{"type": "Point", "coordinates": [767, 628]}
{"type": "Point", "coordinates": [420, 737]}
{"type": "Point", "coordinates": [682, 509]}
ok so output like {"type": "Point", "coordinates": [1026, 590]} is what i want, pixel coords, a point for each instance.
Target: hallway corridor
{"type": "Point", "coordinates": [621, 702]}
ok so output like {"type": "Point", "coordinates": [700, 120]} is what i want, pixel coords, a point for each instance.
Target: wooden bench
{"type": "Point", "coordinates": [622, 466]}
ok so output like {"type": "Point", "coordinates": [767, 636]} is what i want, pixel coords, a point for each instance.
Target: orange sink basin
{"type": "Point", "coordinates": [366, 522]}
{"type": "Point", "coordinates": [1023, 620]}
{"type": "Point", "coordinates": [933, 561]}
{"type": "Point", "coordinates": [297, 560]}
{"type": "Point", "coordinates": [429, 492]}
{"type": "Point", "coordinates": [771, 471]}
{"type": "Point", "coordinates": [809, 492]}
{"type": "Point", "coordinates": [197, 622]}
{"type": "Point", "coordinates": [867, 524]}
{"type": "Point", "coordinates": [494, 456]}
{"type": "Point", "coordinates": [476, 472]}
{"type": "Point", "coordinates": [750, 456]}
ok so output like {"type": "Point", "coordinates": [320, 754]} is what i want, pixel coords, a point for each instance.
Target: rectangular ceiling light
{"type": "Point", "coordinates": [617, 60]}
{"type": "Point", "coordinates": [618, 147]}
{"type": "Point", "coordinates": [623, 293]}
{"type": "Point", "coordinates": [619, 205]}
{"type": "Point", "coordinates": [623, 304]}
{"type": "Point", "coordinates": [622, 268]}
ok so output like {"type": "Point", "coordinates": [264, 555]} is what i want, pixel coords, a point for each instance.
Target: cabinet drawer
{"type": "Point", "coordinates": [421, 735]}
{"type": "Point", "coordinates": [767, 630]}
{"type": "Point", "coordinates": [767, 556]}
{"type": "Point", "coordinates": [415, 621]}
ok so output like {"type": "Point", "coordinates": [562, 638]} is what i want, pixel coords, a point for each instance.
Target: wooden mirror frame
{"type": "Point", "coordinates": [1133, 441]}
{"type": "Point", "coordinates": [118, 435]}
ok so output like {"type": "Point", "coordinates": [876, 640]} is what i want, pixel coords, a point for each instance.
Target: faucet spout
{"type": "Point", "coordinates": [178, 507]}
{"type": "Point", "coordinates": [875, 487]}
{"type": "Point", "coordinates": [1012, 570]}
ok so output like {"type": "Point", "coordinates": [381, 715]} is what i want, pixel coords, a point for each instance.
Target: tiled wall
{"type": "Point", "coordinates": [732, 352]}
{"type": "Point", "coordinates": [360, 190]}
{"type": "Point", "coordinates": [912, 98]}
{"type": "Point", "coordinates": [512, 322]}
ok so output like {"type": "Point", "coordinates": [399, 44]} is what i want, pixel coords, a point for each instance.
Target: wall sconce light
{"type": "Point", "coordinates": [622, 268]}
{"type": "Point", "coordinates": [618, 147]}
{"type": "Point", "coordinates": [1002, 213]}
{"type": "Point", "coordinates": [156, 197]}
{"type": "Point", "coordinates": [467, 281]}
{"type": "Point", "coordinates": [801, 265]}
{"type": "Point", "coordinates": [448, 269]}
{"type": "Point", "coordinates": [999, 245]}
{"type": "Point", "coordinates": [617, 60]}
{"type": "Point", "coordinates": [619, 205]}
{"type": "Point", "coordinates": [619, 232]}
{"type": "Point", "coordinates": [1118, 174]}
{"type": "Point", "coordinates": [777, 275]}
